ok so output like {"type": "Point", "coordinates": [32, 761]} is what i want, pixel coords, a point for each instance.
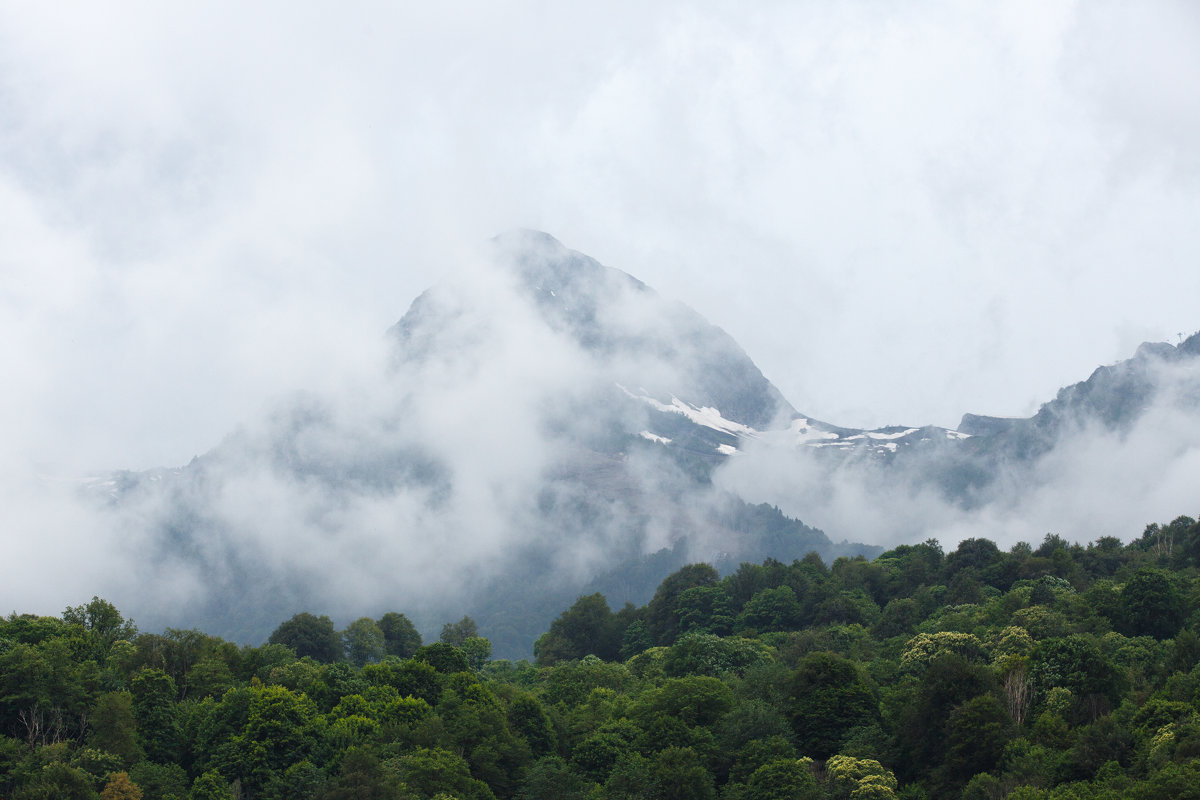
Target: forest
{"type": "Point", "coordinates": [1060, 670]}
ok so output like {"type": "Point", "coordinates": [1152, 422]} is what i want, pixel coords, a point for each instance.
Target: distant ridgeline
{"type": "Point", "coordinates": [1055, 671]}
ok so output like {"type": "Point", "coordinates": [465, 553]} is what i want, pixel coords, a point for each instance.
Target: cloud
{"type": "Point", "coordinates": [476, 446]}
{"type": "Point", "coordinates": [1096, 480]}
{"type": "Point", "coordinates": [902, 214]}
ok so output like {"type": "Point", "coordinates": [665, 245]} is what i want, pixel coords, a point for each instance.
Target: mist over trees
{"type": "Point", "coordinates": [1055, 671]}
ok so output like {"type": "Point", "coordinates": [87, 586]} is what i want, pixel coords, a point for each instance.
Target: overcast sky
{"type": "Point", "coordinates": [902, 211]}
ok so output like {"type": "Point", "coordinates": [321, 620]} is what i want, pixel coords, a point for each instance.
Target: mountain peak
{"type": "Point", "coordinates": [639, 339]}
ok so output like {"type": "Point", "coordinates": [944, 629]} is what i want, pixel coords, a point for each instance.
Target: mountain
{"type": "Point", "coordinates": [984, 457]}
{"type": "Point", "coordinates": [544, 425]}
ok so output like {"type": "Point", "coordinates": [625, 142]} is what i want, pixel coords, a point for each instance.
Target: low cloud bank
{"type": "Point", "coordinates": [1097, 480]}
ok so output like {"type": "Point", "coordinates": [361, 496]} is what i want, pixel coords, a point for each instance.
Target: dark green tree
{"type": "Point", "coordinates": [364, 641]}
{"type": "Point", "coordinates": [455, 633]}
{"type": "Point", "coordinates": [705, 609]}
{"type": "Point", "coordinates": [444, 657]}
{"type": "Point", "coordinates": [159, 781]}
{"type": "Point", "coordinates": [550, 777]}
{"type": "Point", "coordinates": [589, 627]}
{"type": "Point", "coordinates": [828, 696]}
{"type": "Point", "coordinates": [310, 636]}
{"type": "Point", "coordinates": [362, 777]}
{"type": "Point", "coordinates": [1076, 663]}
{"type": "Point", "coordinates": [662, 619]}
{"type": "Point", "coordinates": [58, 781]}
{"type": "Point", "coordinates": [775, 609]}
{"type": "Point", "coordinates": [430, 771]}
{"type": "Point", "coordinates": [681, 775]}
{"type": "Point", "coordinates": [1150, 605]}
{"type": "Point", "coordinates": [156, 714]}
{"type": "Point", "coordinates": [977, 732]}
{"type": "Point", "coordinates": [400, 636]}
{"type": "Point", "coordinates": [113, 727]}
{"type": "Point", "coordinates": [636, 639]}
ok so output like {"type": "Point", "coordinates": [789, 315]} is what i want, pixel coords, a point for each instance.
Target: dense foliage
{"type": "Point", "coordinates": [1061, 671]}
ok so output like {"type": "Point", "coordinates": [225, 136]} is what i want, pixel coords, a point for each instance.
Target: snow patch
{"type": "Point", "coordinates": [653, 438]}
{"type": "Point", "coordinates": [706, 416]}
{"type": "Point", "coordinates": [726, 449]}
{"type": "Point", "coordinates": [883, 436]}
{"type": "Point", "coordinates": [804, 434]}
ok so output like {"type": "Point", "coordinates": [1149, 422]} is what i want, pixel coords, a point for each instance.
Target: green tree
{"type": "Point", "coordinates": [859, 778]}
{"type": "Point", "coordinates": [443, 657]}
{"type": "Point", "coordinates": [400, 636]}
{"type": "Point", "coordinates": [362, 777]}
{"type": "Point", "coordinates": [104, 622]}
{"type": "Point", "coordinates": [310, 636]}
{"type": "Point", "coordinates": [636, 639]}
{"type": "Point", "coordinates": [44, 690]}
{"type": "Point", "coordinates": [160, 781]}
{"type": "Point", "coordinates": [588, 627]}
{"type": "Point", "coordinates": [455, 633]}
{"type": "Point", "coordinates": [1150, 605]}
{"type": "Point", "coordinates": [784, 779]}
{"type": "Point", "coordinates": [695, 700]}
{"type": "Point", "coordinates": [630, 779]}
{"type": "Point", "coordinates": [550, 777]}
{"type": "Point", "coordinates": [705, 609]}
{"type": "Point", "coordinates": [477, 650]}
{"type": "Point", "coordinates": [96, 763]}
{"type": "Point", "coordinates": [922, 713]}
{"type": "Point", "coordinates": [279, 732]}
{"type": "Point", "coordinates": [113, 727]}
{"type": "Point", "coordinates": [57, 781]}
{"type": "Point", "coordinates": [776, 609]}
{"type": "Point", "coordinates": [527, 718]}
{"type": "Point", "coordinates": [977, 732]}
{"type": "Point", "coordinates": [210, 786]}
{"type": "Point", "coordinates": [681, 775]}
{"type": "Point", "coordinates": [662, 619]}
{"type": "Point", "coordinates": [828, 697]}
{"type": "Point", "coordinates": [1076, 663]}
{"type": "Point", "coordinates": [210, 677]}
{"type": "Point", "coordinates": [430, 771]}
{"type": "Point", "coordinates": [415, 678]}
{"type": "Point", "coordinates": [157, 715]}
{"type": "Point", "coordinates": [364, 641]}
{"type": "Point", "coordinates": [706, 654]}
{"type": "Point", "coordinates": [899, 617]}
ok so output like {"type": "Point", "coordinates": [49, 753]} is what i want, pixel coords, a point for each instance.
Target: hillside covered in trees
{"type": "Point", "coordinates": [1056, 671]}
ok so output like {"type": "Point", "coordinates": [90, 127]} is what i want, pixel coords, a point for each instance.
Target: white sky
{"type": "Point", "coordinates": [903, 211]}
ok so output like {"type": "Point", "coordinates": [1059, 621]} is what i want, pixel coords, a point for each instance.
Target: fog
{"type": "Point", "coordinates": [212, 215]}
{"type": "Point", "coordinates": [451, 460]}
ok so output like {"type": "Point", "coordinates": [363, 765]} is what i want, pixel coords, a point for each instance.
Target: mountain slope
{"type": "Point", "coordinates": [543, 422]}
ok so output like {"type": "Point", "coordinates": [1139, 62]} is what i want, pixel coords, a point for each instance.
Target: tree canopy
{"type": "Point", "coordinates": [1056, 672]}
